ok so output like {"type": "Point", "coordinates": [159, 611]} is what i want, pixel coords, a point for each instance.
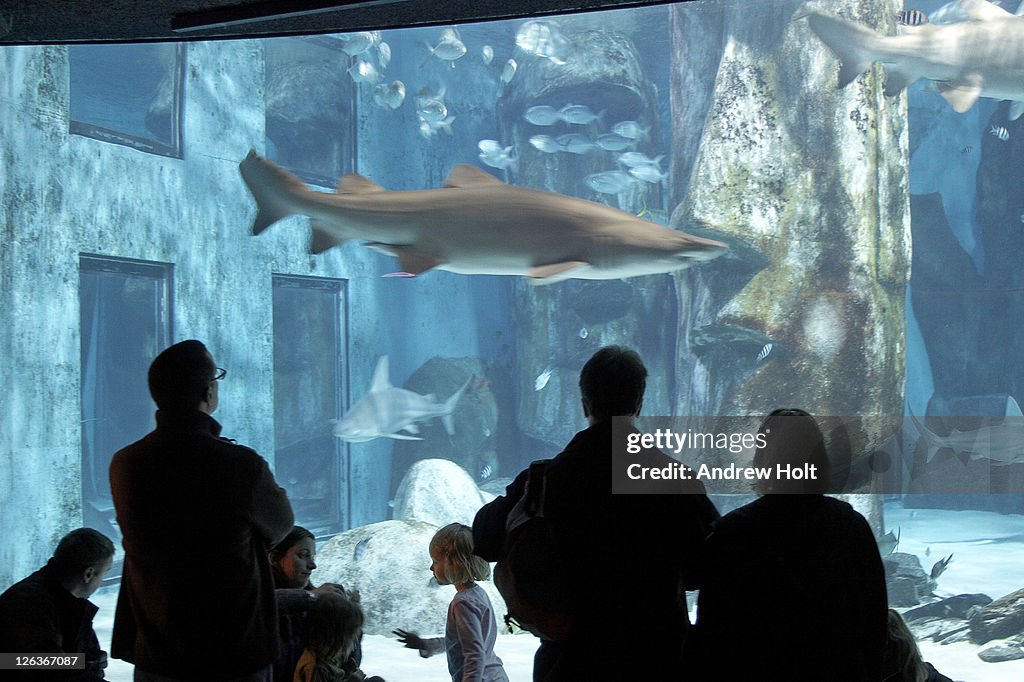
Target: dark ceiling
{"type": "Point", "coordinates": [64, 21]}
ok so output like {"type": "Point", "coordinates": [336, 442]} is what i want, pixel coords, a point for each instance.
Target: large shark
{"type": "Point", "coordinates": [980, 57]}
{"type": "Point", "coordinates": [477, 224]}
{"type": "Point", "coordinates": [385, 411]}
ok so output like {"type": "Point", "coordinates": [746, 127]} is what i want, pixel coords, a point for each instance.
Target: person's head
{"type": "Point", "coordinates": [184, 377]}
{"type": "Point", "coordinates": [452, 559]}
{"type": "Point", "coordinates": [80, 561]}
{"type": "Point", "coordinates": [901, 659]}
{"type": "Point", "coordinates": [293, 559]}
{"type": "Point", "coordinates": [333, 627]}
{"type": "Point", "coordinates": [792, 437]}
{"type": "Point", "coordinates": [612, 384]}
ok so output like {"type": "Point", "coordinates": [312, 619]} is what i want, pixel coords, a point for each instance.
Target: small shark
{"type": "Point", "coordinates": [386, 410]}
{"type": "Point", "coordinates": [980, 57]}
{"type": "Point", "coordinates": [477, 225]}
{"type": "Point", "coordinates": [999, 439]}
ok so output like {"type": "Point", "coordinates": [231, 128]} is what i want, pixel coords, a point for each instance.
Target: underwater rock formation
{"type": "Point", "coordinates": [439, 492]}
{"type": "Point", "coordinates": [388, 563]}
{"type": "Point", "coordinates": [808, 184]}
{"type": "Point", "coordinates": [475, 419]}
{"type": "Point", "coordinates": [1002, 618]}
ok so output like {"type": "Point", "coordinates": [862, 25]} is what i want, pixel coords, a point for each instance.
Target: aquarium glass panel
{"type": "Point", "coordinates": [125, 321]}
{"type": "Point", "coordinates": [129, 94]}
{"type": "Point", "coordinates": [309, 356]}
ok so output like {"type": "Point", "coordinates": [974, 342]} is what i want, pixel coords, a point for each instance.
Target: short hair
{"type": "Point", "coordinates": [78, 550]}
{"type": "Point", "coordinates": [612, 383]}
{"type": "Point", "coordinates": [792, 436]}
{"type": "Point", "coordinates": [333, 626]}
{"type": "Point", "coordinates": [180, 376]}
{"type": "Point", "coordinates": [455, 541]}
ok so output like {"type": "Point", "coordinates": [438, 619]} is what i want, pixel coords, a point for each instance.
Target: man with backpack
{"type": "Point", "coordinates": [600, 577]}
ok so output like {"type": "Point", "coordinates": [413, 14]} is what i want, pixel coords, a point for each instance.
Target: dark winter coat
{"type": "Point", "coordinates": [633, 555]}
{"type": "Point", "coordinates": [198, 514]}
{"type": "Point", "coordinates": [39, 615]}
{"type": "Point", "coordinates": [794, 590]}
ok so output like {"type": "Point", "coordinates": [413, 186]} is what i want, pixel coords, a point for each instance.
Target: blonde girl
{"type": "Point", "coordinates": [471, 629]}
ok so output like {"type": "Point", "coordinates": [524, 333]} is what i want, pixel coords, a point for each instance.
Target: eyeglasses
{"type": "Point", "coordinates": [221, 373]}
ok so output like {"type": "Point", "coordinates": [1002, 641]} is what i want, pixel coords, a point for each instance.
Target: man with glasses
{"type": "Point", "coordinates": [198, 514]}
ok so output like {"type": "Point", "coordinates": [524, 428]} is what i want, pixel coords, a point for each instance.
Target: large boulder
{"type": "Point", "coordinates": [389, 564]}
{"type": "Point", "coordinates": [1001, 619]}
{"type": "Point", "coordinates": [438, 492]}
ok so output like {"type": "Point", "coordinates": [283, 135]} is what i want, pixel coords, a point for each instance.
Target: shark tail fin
{"type": "Point", "coordinates": [853, 44]}
{"type": "Point", "coordinates": [449, 407]}
{"type": "Point", "coordinates": [272, 187]}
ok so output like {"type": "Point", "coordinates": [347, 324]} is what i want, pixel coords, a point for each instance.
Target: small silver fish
{"type": "Point", "coordinates": [609, 182]}
{"type": "Point", "coordinates": [545, 143]}
{"type": "Point", "coordinates": [967, 149]}
{"type": "Point", "coordinates": [485, 472]}
{"type": "Point", "coordinates": [940, 567]}
{"type": "Point", "coordinates": [363, 72]}
{"type": "Point", "coordinates": [360, 549]}
{"type": "Point", "coordinates": [541, 115]}
{"type": "Point", "coordinates": [496, 156]}
{"type": "Point", "coordinates": [911, 17]}
{"type": "Point", "coordinates": [634, 159]}
{"type": "Point", "coordinates": [765, 350]}
{"type": "Point", "coordinates": [450, 46]}
{"type": "Point", "coordinates": [543, 39]}
{"type": "Point", "coordinates": [357, 43]}
{"type": "Point", "coordinates": [888, 543]}
{"type": "Point", "coordinates": [509, 71]}
{"type": "Point", "coordinates": [630, 129]}
{"type": "Point", "coordinates": [384, 54]}
{"type": "Point", "coordinates": [390, 96]}
{"type": "Point", "coordinates": [584, 333]}
{"type": "Point", "coordinates": [429, 128]}
{"type": "Point", "coordinates": [648, 173]}
{"type": "Point", "coordinates": [487, 54]}
{"type": "Point", "coordinates": [928, 550]}
{"type": "Point", "coordinates": [575, 143]}
{"type": "Point", "coordinates": [1000, 132]}
{"type": "Point", "coordinates": [542, 379]}
{"type": "Point", "coordinates": [577, 114]}
{"type": "Point", "coordinates": [613, 142]}
{"type": "Point", "coordinates": [430, 107]}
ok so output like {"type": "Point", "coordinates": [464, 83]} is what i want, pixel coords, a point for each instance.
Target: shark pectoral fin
{"type": "Point", "coordinates": [353, 183]}
{"type": "Point", "coordinates": [415, 262]}
{"type": "Point", "coordinates": [1017, 106]}
{"type": "Point", "coordinates": [464, 175]}
{"type": "Point", "coordinates": [410, 428]}
{"type": "Point", "coordinates": [555, 272]}
{"type": "Point", "coordinates": [322, 238]}
{"type": "Point", "coordinates": [449, 424]}
{"type": "Point", "coordinates": [962, 94]}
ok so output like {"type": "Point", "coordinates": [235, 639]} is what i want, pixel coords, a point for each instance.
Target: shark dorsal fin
{"type": "Point", "coordinates": [353, 183]}
{"type": "Point", "coordinates": [464, 175]}
{"type": "Point", "coordinates": [380, 376]}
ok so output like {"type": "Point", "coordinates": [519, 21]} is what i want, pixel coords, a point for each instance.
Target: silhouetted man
{"type": "Point", "coordinates": [198, 514]}
{"type": "Point", "coordinates": [49, 612]}
{"type": "Point", "coordinates": [632, 555]}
